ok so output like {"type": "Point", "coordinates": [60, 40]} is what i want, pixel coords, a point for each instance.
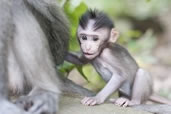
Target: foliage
{"type": "Point", "coordinates": [73, 15]}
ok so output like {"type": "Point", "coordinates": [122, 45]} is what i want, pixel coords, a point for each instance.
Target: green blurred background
{"type": "Point", "coordinates": [145, 30]}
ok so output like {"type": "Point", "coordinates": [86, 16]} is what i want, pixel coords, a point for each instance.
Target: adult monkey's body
{"type": "Point", "coordinates": [97, 38]}
{"type": "Point", "coordinates": [27, 27]}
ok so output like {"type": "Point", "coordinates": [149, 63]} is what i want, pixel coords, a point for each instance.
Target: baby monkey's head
{"type": "Point", "coordinates": [95, 30]}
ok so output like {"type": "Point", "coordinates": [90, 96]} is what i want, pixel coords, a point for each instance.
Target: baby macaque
{"type": "Point", "coordinates": [97, 36]}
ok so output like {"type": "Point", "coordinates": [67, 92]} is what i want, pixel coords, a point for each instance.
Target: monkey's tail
{"type": "Point", "coordinates": [155, 108]}
{"type": "Point", "coordinates": [159, 99]}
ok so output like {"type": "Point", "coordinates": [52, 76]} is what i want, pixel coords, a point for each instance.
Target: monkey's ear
{"type": "Point", "coordinates": [114, 34]}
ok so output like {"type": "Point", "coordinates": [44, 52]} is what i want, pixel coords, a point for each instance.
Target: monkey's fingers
{"type": "Point", "coordinates": [90, 101]}
{"type": "Point", "coordinates": [93, 103]}
{"type": "Point", "coordinates": [35, 106]}
{"type": "Point", "coordinates": [125, 104]}
{"type": "Point", "coordinates": [41, 108]}
{"type": "Point", "coordinates": [84, 100]}
{"type": "Point", "coordinates": [122, 102]}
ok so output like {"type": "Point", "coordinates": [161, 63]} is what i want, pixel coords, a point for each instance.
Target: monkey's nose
{"type": "Point", "coordinates": [88, 48]}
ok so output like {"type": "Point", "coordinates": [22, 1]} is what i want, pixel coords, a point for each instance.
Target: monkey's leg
{"type": "Point", "coordinates": [42, 76]}
{"type": "Point", "coordinates": [6, 107]}
{"type": "Point", "coordinates": [142, 88]}
{"type": "Point", "coordinates": [15, 75]}
{"type": "Point", "coordinates": [33, 55]}
{"type": "Point", "coordinates": [6, 32]}
{"type": "Point", "coordinates": [44, 96]}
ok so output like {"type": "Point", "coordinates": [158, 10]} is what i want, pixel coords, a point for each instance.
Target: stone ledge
{"type": "Point", "coordinates": [71, 105]}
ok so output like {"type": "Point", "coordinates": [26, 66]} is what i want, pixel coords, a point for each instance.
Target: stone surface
{"type": "Point", "coordinates": [71, 105]}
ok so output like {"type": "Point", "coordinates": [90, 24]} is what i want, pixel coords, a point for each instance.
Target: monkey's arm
{"type": "Point", "coordinates": [114, 83]}
{"type": "Point", "coordinates": [112, 86]}
{"type": "Point", "coordinates": [75, 58]}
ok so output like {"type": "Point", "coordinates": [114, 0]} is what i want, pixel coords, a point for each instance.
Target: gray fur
{"type": "Point", "coordinates": [34, 37]}
{"type": "Point", "coordinates": [6, 33]}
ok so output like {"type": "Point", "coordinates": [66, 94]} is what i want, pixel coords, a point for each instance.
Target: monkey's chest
{"type": "Point", "coordinates": [103, 70]}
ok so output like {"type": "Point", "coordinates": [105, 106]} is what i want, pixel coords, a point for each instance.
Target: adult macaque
{"type": "Point", "coordinates": [97, 36]}
{"type": "Point", "coordinates": [29, 31]}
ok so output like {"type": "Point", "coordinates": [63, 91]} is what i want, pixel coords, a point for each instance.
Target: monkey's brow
{"type": "Point", "coordinates": [89, 35]}
{"type": "Point", "coordinates": [82, 34]}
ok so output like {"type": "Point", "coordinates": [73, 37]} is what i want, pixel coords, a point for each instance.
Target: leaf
{"type": "Point", "coordinates": [73, 16]}
{"type": "Point", "coordinates": [80, 70]}
{"type": "Point", "coordinates": [93, 76]}
{"type": "Point", "coordinates": [148, 0]}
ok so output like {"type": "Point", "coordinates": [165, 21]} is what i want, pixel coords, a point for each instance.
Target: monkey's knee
{"type": "Point", "coordinates": [144, 80]}
{"type": "Point", "coordinates": [145, 76]}
{"type": "Point", "coordinates": [142, 72]}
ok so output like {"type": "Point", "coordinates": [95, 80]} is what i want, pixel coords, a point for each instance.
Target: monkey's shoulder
{"type": "Point", "coordinates": [117, 52]}
{"type": "Point", "coordinates": [115, 48]}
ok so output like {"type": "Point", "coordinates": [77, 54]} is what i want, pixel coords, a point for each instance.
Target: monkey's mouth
{"type": "Point", "coordinates": [88, 53]}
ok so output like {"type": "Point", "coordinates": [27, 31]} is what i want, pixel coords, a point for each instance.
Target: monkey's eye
{"type": "Point", "coordinates": [95, 39]}
{"type": "Point", "coordinates": [84, 37]}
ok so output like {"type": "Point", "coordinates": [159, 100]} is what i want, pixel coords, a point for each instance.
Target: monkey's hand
{"type": "Point", "coordinates": [91, 101]}
{"type": "Point", "coordinates": [41, 103]}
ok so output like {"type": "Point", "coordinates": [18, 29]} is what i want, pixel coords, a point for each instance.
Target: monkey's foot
{"type": "Point", "coordinates": [134, 102]}
{"type": "Point", "coordinates": [43, 103]}
{"type": "Point", "coordinates": [91, 101]}
{"type": "Point", "coordinates": [122, 101]}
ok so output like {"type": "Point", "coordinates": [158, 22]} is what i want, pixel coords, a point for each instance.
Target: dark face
{"type": "Point", "coordinates": [91, 41]}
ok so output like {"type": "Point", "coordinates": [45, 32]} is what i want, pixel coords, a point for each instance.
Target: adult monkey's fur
{"type": "Point", "coordinates": [34, 36]}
